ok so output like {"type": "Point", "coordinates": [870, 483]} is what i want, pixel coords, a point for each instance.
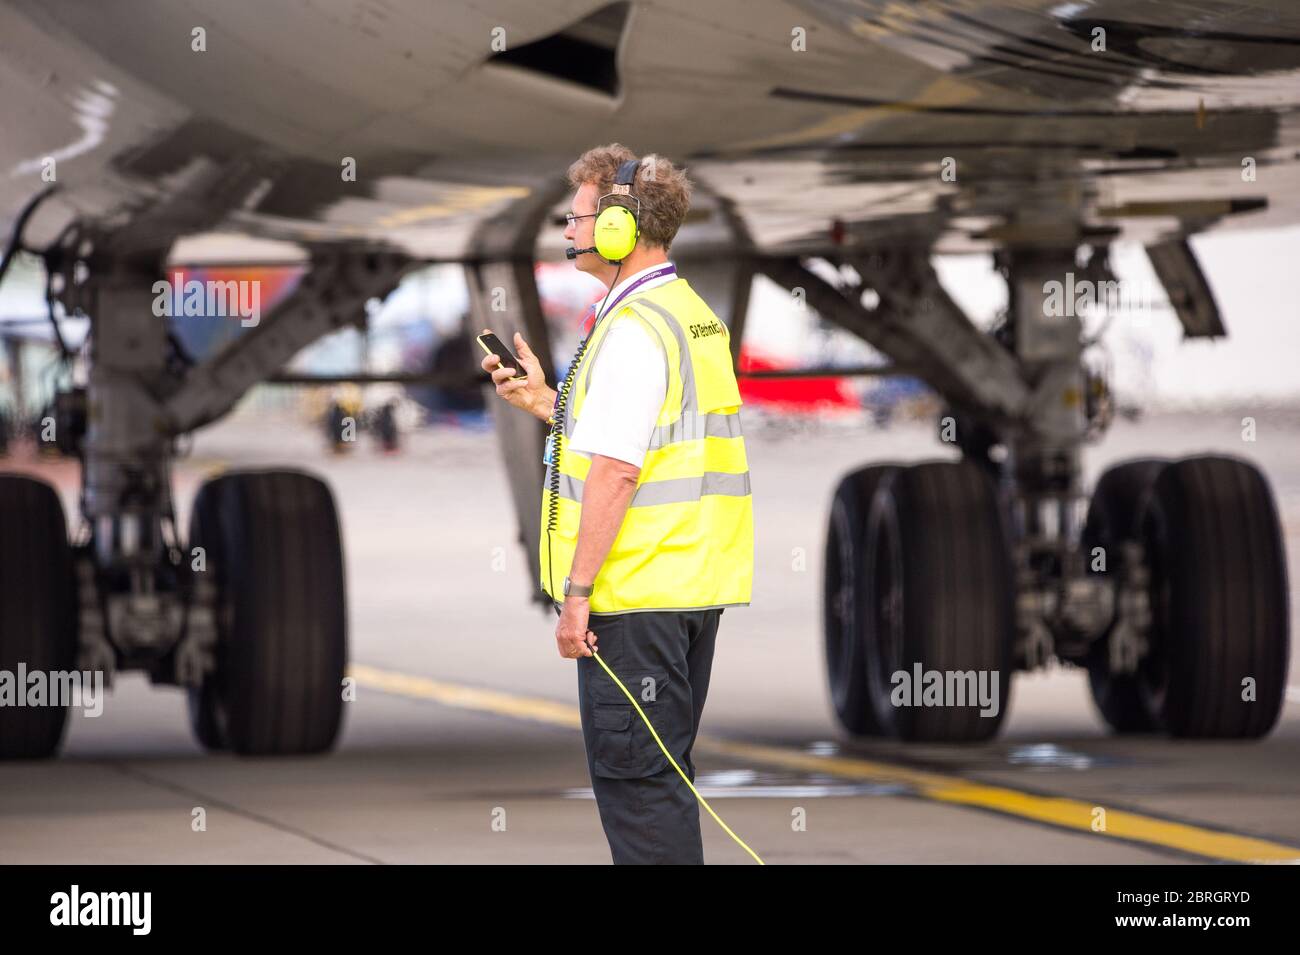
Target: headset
{"type": "Point", "coordinates": [617, 226]}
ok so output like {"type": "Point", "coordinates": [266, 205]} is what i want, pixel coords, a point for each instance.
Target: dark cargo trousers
{"type": "Point", "coordinates": [664, 658]}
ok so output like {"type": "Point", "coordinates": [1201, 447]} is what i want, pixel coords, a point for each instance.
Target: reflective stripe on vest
{"type": "Point", "coordinates": [668, 491]}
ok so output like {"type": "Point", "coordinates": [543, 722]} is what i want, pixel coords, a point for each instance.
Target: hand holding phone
{"type": "Point", "coordinates": [520, 381]}
{"type": "Point", "coordinates": [493, 345]}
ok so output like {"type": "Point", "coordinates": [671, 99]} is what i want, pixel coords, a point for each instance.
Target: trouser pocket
{"type": "Point", "coordinates": [621, 745]}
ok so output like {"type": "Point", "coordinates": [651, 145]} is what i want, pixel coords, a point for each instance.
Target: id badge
{"type": "Point", "coordinates": [548, 453]}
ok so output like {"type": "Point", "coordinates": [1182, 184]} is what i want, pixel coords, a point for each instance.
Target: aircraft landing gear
{"type": "Point", "coordinates": [254, 627]}
{"type": "Point", "coordinates": [1173, 596]}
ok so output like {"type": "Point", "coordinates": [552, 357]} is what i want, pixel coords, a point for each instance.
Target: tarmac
{"type": "Point", "coordinates": [462, 745]}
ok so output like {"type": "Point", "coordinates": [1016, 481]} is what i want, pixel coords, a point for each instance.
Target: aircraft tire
{"type": "Point", "coordinates": [844, 594]}
{"type": "Point", "coordinates": [940, 588]}
{"type": "Point", "coordinates": [38, 610]}
{"type": "Point", "coordinates": [272, 539]}
{"type": "Point", "coordinates": [1220, 618]}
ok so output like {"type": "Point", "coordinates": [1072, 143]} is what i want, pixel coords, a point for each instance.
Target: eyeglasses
{"type": "Point", "coordinates": [570, 218]}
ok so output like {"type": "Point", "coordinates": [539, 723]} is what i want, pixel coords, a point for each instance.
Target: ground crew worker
{"type": "Point", "coordinates": [647, 522]}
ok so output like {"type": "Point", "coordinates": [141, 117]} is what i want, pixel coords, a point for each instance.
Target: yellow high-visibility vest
{"type": "Point", "coordinates": [687, 541]}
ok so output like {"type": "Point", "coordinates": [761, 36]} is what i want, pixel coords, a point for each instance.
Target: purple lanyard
{"type": "Point", "coordinates": [658, 273]}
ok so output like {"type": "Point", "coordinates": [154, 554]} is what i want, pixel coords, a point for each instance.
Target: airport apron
{"type": "Point", "coordinates": [687, 541]}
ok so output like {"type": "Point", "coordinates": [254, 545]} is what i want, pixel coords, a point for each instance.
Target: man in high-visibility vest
{"type": "Point", "coordinates": [647, 520]}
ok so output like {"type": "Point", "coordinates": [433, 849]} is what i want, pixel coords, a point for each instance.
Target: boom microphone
{"type": "Point", "coordinates": [573, 253]}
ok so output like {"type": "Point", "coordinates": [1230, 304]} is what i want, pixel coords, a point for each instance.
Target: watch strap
{"type": "Point", "coordinates": [577, 590]}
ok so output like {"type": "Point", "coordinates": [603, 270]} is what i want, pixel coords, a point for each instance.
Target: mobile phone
{"type": "Point", "coordinates": [495, 346]}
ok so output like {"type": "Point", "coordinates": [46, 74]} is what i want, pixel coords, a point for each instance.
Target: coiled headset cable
{"type": "Point", "coordinates": [557, 433]}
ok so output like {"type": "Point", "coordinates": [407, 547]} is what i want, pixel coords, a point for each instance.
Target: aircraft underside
{"type": "Point", "coordinates": [375, 148]}
{"type": "Point", "coordinates": [1172, 591]}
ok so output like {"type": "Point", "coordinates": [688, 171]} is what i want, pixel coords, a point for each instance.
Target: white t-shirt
{"type": "Point", "coordinates": [625, 391]}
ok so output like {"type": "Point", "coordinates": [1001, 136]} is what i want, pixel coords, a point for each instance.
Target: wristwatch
{"type": "Point", "coordinates": [577, 590]}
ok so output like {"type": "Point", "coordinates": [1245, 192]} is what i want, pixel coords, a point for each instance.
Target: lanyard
{"type": "Point", "coordinates": [668, 269]}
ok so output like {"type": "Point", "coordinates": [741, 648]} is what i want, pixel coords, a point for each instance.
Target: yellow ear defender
{"type": "Point", "coordinates": [617, 226]}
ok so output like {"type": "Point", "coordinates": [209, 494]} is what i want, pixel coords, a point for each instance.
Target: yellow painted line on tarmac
{"type": "Point", "coordinates": [1060, 812]}
{"type": "Point", "coordinates": [468, 697]}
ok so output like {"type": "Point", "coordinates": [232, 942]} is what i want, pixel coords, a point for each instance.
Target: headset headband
{"type": "Point", "coordinates": [625, 177]}
{"type": "Point", "coordinates": [623, 182]}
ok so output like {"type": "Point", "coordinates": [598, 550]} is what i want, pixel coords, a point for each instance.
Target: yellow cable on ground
{"type": "Point", "coordinates": [685, 779]}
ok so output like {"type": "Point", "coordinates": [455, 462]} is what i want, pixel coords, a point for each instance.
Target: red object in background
{"type": "Point", "coordinates": [793, 394]}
